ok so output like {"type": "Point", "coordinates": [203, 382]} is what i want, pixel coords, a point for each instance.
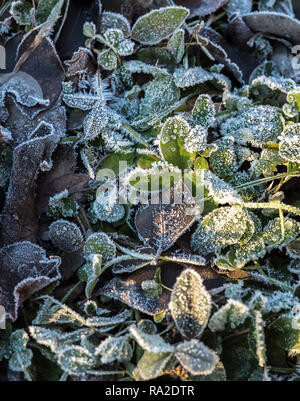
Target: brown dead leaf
{"type": "Point", "coordinates": [24, 270]}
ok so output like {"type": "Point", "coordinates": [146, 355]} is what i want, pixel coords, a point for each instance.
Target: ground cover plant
{"type": "Point", "coordinates": [105, 106]}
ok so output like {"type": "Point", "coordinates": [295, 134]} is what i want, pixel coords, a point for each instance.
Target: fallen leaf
{"type": "Point", "coordinates": [129, 289]}
{"type": "Point", "coordinates": [24, 270]}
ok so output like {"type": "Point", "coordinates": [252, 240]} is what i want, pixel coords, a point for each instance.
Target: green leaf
{"type": "Point", "coordinates": [176, 45]}
{"type": "Point", "coordinates": [231, 315]}
{"type": "Point", "coordinates": [21, 360]}
{"type": "Point", "coordinates": [113, 36]}
{"type": "Point", "coordinates": [21, 12]}
{"type": "Point", "coordinates": [151, 365]}
{"type": "Point", "coordinates": [108, 60]}
{"type": "Point", "coordinates": [100, 243]}
{"type": "Point", "coordinates": [190, 304]}
{"type": "Point", "coordinates": [159, 24]}
{"type": "Point", "coordinates": [195, 357]}
{"type": "Point", "coordinates": [172, 143]}
{"type": "Point", "coordinates": [75, 359]}
{"type": "Point", "coordinates": [150, 342]}
{"type": "Point", "coordinates": [116, 21]}
{"type": "Point", "coordinates": [115, 349]}
{"type": "Point", "coordinates": [204, 111]}
{"type": "Point", "coordinates": [289, 145]}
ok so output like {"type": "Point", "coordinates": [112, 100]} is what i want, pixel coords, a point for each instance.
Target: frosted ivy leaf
{"type": "Point", "coordinates": [115, 349]}
{"type": "Point", "coordinates": [176, 45]}
{"type": "Point", "coordinates": [66, 235]}
{"type": "Point", "coordinates": [223, 159]}
{"type": "Point", "coordinates": [19, 340]}
{"type": "Point", "coordinates": [289, 143]}
{"type": "Point", "coordinates": [196, 358]}
{"type": "Point", "coordinates": [157, 25]}
{"type": "Point", "coordinates": [152, 365]}
{"type": "Point", "coordinates": [231, 315]}
{"type": "Point", "coordinates": [21, 12]}
{"type": "Point", "coordinates": [190, 304]}
{"type": "Point", "coordinates": [221, 191]}
{"type": "Point", "coordinates": [159, 95]}
{"type": "Point", "coordinates": [150, 342]}
{"type": "Point", "coordinates": [257, 338]}
{"type": "Point", "coordinates": [115, 21]}
{"type": "Point", "coordinates": [280, 6]}
{"type": "Point", "coordinates": [100, 243]}
{"type": "Point", "coordinates": [95, 121]}
{"type": "Point", "coordinates": [172, 143]}
{"type": "Point", "coordinates": [257, 125]}
{"type": "Point", "coordinates": [239, 6]}
{"type": "Point", "coordinates": [75, 359]}
{"type": "Point", "coordinates": [196, 139]}
{"type": "Point", "coordinates": [82, 101]}
{"type": "Point", "coordinates": [273, 233]}
{"type": "Point", "coordinates": [203, 112]}
{"type": "Point", "coordinates": [21, 360]}
{"type": "Point", "coordinates": [61, 205]}
{"type": "Point", "coordinates": [108, 60]}
{"type": "Point", "coordinates": [191, 77]}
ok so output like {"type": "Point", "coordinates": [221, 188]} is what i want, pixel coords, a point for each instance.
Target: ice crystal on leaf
{"type": "Point", "coordinates": [115, 349]}
{"type": "Point", "coordinates": [204, 111]}
{"type": "Point", "coordinates": [150, 342]}
{"type": "Point", "coordinates": [257, 126]}
{"type": "Point", "coordinates": [240, 7]}
{"type": "Point", "coordinates": [223, 159]}
{"type": "Point", "coordinates": [231, 315]}
{"type": "Point", "coordinates": [116, 21]}
{"type": "Point", "coordinates": [192, 77]}
{"type": "Point", "coordinates": [75, 359]}
{"type": "Point", "coordinates": [159, 24]}
{"type": "Point", "coordinates": [221, 191]}
{"type": "Point", "coordinates": [176, 45]}
{"type": "Point", "coordinates": [95, 121]}
{"type": "Point", "coordinates": [100, 243]}
{"type": "Point", "coordinates": [62, 205]}
{"type": "Point", "coordinates": [196, 357]}
{"type": "Point", "coordinates": [274, 235]}
{"type": "Point", "coordinates": [190, 304]}
{"type": "Point", "coordinates": [66, 235]}
{"type": "Point", "coordinates": [289, 143]}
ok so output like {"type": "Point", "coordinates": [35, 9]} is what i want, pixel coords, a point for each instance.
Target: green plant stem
{"type": "Point", "coordinates": [278, 206]}
{"type": "Point", "coordinates": [267, 179]}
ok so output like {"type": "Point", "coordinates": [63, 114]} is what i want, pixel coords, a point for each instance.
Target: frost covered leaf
{"type": "Point", "coordinates": [172, 143]}
{"type": "Point", "coordinates": [116, 21]}
{"type": "Point", "coordinates": [257, 125]}
{"type": "Point", "coordinates": [21, 360]}
{"type": "Point", "coordinates": [19, 340]}
{"type": "Point", "coordinates": [273, 234]}
{"type": "Point", "coordinates": [221, 191]}
{"type": "Point", "coordinates": [238, 6]}
{"type": "Point", "coordinates": [62, 205]}
{"type": "Point", "coordinates": [115, 349]}
{"type": "Point", "coordinates": [190, 304]}
{"type": "Point", "coordinates": [160, 225]}
{"type": "Point", "coordinates": [108, 60]}
{"type": "Point", "coordinates": [157, 25]}
{"type": "Point", "coordinates": [196, 358]}
{"type": "Point", "coordinates": [80, 100]}
{"type": "Point", "coordinates": [285, 333]}
{"type": "Point", "coordinates": [106, 206]}
{"type": "Point", "coordinates": [100, 243]}
{"type": "Point", "coordinates": [95, 121]}
{"type": "Point", "coordinates": [289, 143]}
{"type": "Point", "coordinates": [257, 338]}
{"type": "Point", "coordinates": [221, 227]}
{"type": "Point", "coordinates": [280, 6]}
{"type": "Point", "coordinates": [18, 218]}
{"type": "Point", "coordinates": [75, 359]}
{"type": "Point", "coordinates": [160, 94]}
{"type": "Point", "coordinates": [204, 111]}
{"type": "Point", "coordinates": [150, 342]}
{"type": "Point", "coordinates": [274, 23]}
{"type": "Point", "coordinates": [231, 315]}
{"type": "Point", "coordinates": [176, 45]}
{"type": "Point", "coordinates": [25, 269]}
{"type": "Point", "coordinates": [66, 235]}
{"type": "Point", "coordinates": [223, 159]}
{"type": "Point", "coordinates": [191, 77]}
{"type": "Point", "coordinates": [21, 12]}
{"type": "Point", "coordinates": [201, 7]}
{"type": "Point", "coordinates": [151, 365]}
